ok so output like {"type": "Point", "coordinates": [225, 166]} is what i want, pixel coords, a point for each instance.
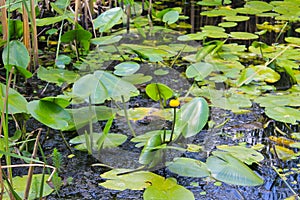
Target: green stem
{"type": "Point", "coordinates": [90, 123]}
{"type": "Point", "coordinates": [126, 116]}
{"type": "Point", "coordinates": [173, 125]}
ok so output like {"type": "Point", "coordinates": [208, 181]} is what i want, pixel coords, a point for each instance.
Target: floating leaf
{"type": "Point", "coordinates": [226, 168]}
{"type": "Point", "coordinates": [171, 17]}
{"type": "Point", "coordinates": [116, 87]}
{"type": "Point", "coordinates": [236, 18]}
{"type": "Point", "coordinates": [21, 182]}
{"type": "Point", "coordinates": [199, 70]}
{"type": "Point", "coordinates": [161, 72]}
{"type": "Point", "coordinates": [137, 78]}
{"type": "Point", "coordinates": [62, 60]}
{"type": "Point", "coordinates": [49, 113]}
{"type": "Point", "coordinates": [168, 189]}
{"type": "Point", "coordinates": [58, 76]}
{"type": "Point", "coordinates": [16, 102]}
{"type": "Point", "coordinates": [111, 140]}
{"type": "Point", "coordinates": [188, 167]}
{"type": "Point", "coordinates": [227, 24]}
{"type": "Point", "coordinates": [105, 40]}
{"type": "Point", "coordinates": [192, 36]}
{"type": "Point", "coordinates": [244, 154]}
{"type": "Point", "coordinates": [293, 40]}
{"type": "Point", "coordinates": [283, 114]}
{"type": "Point", "coordinates": [91, 89]}
{"type": "Point", "coordinates": [192, 117]}
{"type": "Point", "coordinates": [108, 19]}
{"type": "Point", "coordinates": [243, 35]}
{"type": "Point", "coordinates": [133, 181]}
{"type": "Point", "coordinates": [126, 68]}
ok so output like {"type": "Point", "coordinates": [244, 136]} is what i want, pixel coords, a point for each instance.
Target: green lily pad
{"type": "Point", "coordinates": [192, 36]}
{"type": "Point", "coordinates": [244, 154]}
{"type": "Point", "coordinates": [91, 89]}
{"type": "Point", "coordinates": [133, 181]}
{"type": "Point", "coordinates": [243, 35]}
{"type": "Point", "coordinates": [126, 68]}
{"type": "Point", "coordinates": [236, 18]}
{"type": "Point", "coordinates": [228, 24]}
{"type": "Point", "coordinates": [293, 40]}
{"type": "Point", "coordinates": [137, 78]}
{"type": "Point", "coordinates": [171, 17]}
{"type": "Point", "coordinates": [16, 102]}
{"type": "Point", "coordinates": [226, 168]}
{"type": "Point", "coordinates": [188, 167]}
{"type": "Point", "coordinates": [283, 114]}
{"type": "Point", "coordinates": [34, 193]}
{"type": "Point", "coordinates": [199, 70]}
{"type": "Point", "coordinates": [111, 140]}
{"type": "Point", "coordinates": [58, 76]}
{"type": "Point", "coordinates": [105, 40]}
{"type": "Point", "coordinates": [168, 189]}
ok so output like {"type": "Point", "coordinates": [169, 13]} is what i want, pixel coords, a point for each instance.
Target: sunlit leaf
{"type": "Point", "coordinates": [199, 70]}
{"type": "Point", "coordinates": [149, 156]}
{"type": "Point", "coordinates": [58, 76]}
{"type": "Point", "coordinates": [243, 35]}
{"type": "Point", "coordinates": [105, 40]}
{"type": "Point", "coordinates": [167, 190]}
{"type": "Point", "coordinates": [283, 114]}
{"type": "Point", "coordinates": [171, 17]}
{"type": "Point", "coordinates": [244, 154]}
{"type": "Point", "coordinates": [192, 117]}
{"type": "Point", "coordinates": [126, 68]}
{"type": "Point", "coordinates": [137, 78]}
{"type": "Point", "coordinates": [226, 168]}
{"type": "Point", "coordinates": [133, 181]}
{"type": "Point", "coordinates": [188, 167]}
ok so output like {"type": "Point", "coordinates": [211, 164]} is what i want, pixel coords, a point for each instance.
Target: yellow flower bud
{"type": "Point", "coordinates": [174, 103]}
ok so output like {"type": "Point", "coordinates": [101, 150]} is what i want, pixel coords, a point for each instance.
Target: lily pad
{"type": "Point", "coordinates": [126, 68]}
{"type": "Point", "coordinates": [243, 35]}
{"type": "Point", "coordinates": [111, 140]}
{"type": "Point", "coordinates": [105, 40]}
{"type": "Point", "coordinates": [168, 189]}
{"type": "Point", "coordinates": [21, 182]}
{"type": "Point", "coordinates": [137, 78]}
{"type": "Point", "coordinates": [133, 181]}
{"type": "Point", "coordinates": [226, 168]}
{"type": "Point", "coordinates": [171, 17]}
{"type": "Point", "coordinates": [199, 70]}
{"type": "Point", "coordinates": [246, 155]}
{"type": "Point", "coordinates": [283, 114]}
{"type": "Point", "coordinates": [236, 18]}
{"type": "Point", "coordinates": [188, 167]}
{"type": "Point", "coordinates": [58, 76]}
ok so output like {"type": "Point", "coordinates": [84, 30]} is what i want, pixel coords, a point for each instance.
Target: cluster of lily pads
{"type": "Point", "coordinates": [248, 75]}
